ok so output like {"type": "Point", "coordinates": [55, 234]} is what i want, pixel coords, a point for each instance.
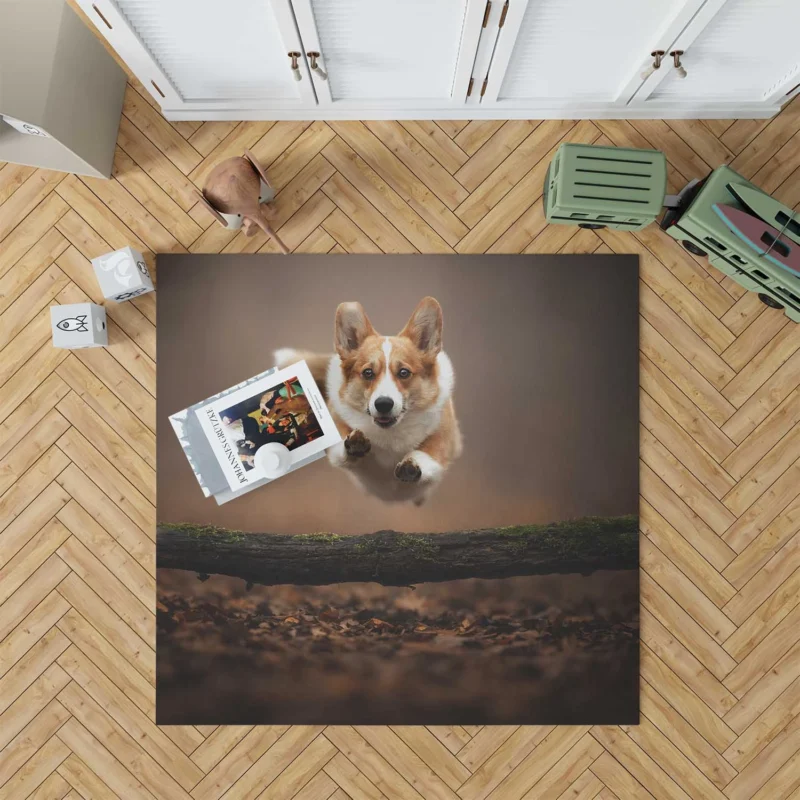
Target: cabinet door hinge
{"type": "Point", "coordinates": [469, 88]}
{"type": "Point", "coordinates": [486, 13]}
{"type": "Point", "coordinates": [483, 88]}
{"type": "Point", "coordinates": [503, 15]}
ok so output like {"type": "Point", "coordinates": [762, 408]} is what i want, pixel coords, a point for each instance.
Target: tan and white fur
{"type": "Point", "coordinates": [391, 399]}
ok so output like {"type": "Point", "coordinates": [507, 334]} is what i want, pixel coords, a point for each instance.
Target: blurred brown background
{"type": "Point", "coordinates": [545, 356]}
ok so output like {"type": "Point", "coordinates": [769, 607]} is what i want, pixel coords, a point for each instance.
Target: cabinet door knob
{"type": "Point", "coordinates": [296, 74]}
{"type": "Point", "coordinates": [657, 56]}
{"type": "Point", "coordinates": [313, 56]}
{"type": "Point", "coordinates": [676, 58]}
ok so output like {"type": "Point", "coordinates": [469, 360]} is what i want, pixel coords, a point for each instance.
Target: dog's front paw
{"type": "Point", "coordinates": [408, 471]}
{"type": "Point", "coordinates": [356, 444]}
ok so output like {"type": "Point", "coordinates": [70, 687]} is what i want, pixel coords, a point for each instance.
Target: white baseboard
{"type": "Point", "coordinates": [650, 111]}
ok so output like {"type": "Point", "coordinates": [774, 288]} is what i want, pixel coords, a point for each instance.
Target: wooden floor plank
{"type": "Point", "coordinates": [108, 477]}
{"type": "Point", "coordinates": [32, 192]}
{"type": "Point", "coordinates": [493, 152]}
{"type": "Point", "coordinates": [558, 742]}
{"type": "Point", "coordinates": [98, 760]}
{"type": "Point", "coordinates": [685, 739]}
{"type": "Point", "coordinates": [152, 741]}
{"type": "Point", "coordinates": [30, 266]}
{"type": "Point", "coordinates": [158, 203]}
{"type": "Point", "coordinates": [769, 724]}
{"type": "Point", "coordinates": [683, 411]}
{"type": "Point", "coordinates": [766, 692]}
{"type": "Point", "coordinates": [83, 781]}
{"type": "Point", "coordinates": [677, 658]}
{"type": "Point", "coordinates": [230, 753]}
{"type": "Point", "coordinates": [159, 131]}
{"type": "Point", "coordinates": [353, 205]}
{"type": "Point", "coordinates": [21, 602]}
{"type": "Point", "coordinates": [476, 133]}
{"type": "Point", "coordinates": [437, 143]}
{"type": "Point", "coordinates": [103, 545]}
{"type": "Point", "coordinates": [12, 176]}
{"type": "Point", "coordinates": [30, 230]}
{"type": "Point", "coordinates": [31, 429]}
{"type": "Point", "coordinates": [298, 154]}
{"type": "Point", "coordinates": [388, 202]}
{"type": "Point", "coordinates": [121, 636]}
{"type": "Point", "coordinates": [114, 521]}
{"type": "Point", "coordinates": [419, 161]}
{"type": "Point", "coordinates": [756, 619]}
{"type": "Point", "coordinates": [275, 759]}
{"type": "Point", "coordinates": [37, 769]}
{"type": "Point", "coordinates": [157, 165]}
{"type": "Point", "coordinates": [765, 545]}
{"type": "Point", "coordinates": [422, 199]}
{"type": "Point", "coordinates": [498, 183]}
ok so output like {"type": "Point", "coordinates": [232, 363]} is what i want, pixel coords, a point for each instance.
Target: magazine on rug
{"type": "Point", "coordinates": [284, 407]}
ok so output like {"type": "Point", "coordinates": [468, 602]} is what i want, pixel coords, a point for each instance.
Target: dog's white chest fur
{"type": "Point", "coordinates": [389, 446]}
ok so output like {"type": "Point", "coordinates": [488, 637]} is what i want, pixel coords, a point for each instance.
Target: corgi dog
{"type": "Point", "coordinates": [391, 399]}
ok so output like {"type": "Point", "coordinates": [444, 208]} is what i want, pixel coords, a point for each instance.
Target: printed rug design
{"type": "Point", "coordinates": [467, 554]}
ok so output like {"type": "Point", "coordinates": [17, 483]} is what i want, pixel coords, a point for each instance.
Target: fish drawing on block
{"type": "Point", "coordinates": [763, 238]}
{"type": "Point", "coordinates": [77, 324]}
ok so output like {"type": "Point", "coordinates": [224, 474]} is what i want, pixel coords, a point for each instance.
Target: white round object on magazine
{"type": "Point", "coordinates": [273, 459]}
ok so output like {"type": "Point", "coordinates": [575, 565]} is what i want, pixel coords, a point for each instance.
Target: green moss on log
{"type": "Point", "coordinates": [192, 529]}
{"type": "Point", "coordinates": [579, 538]}
{"type": "Point", "coordinates": [323, 536]}
{"type": "Point", "coordinates": [418, 548]}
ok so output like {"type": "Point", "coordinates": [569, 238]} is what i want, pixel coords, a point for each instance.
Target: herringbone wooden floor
{"type": "Point", "coordinates": [720, 469]}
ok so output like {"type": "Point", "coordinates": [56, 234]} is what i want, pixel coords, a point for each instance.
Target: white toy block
{"type": "Point", "coordinates": [122, 274]}
{"type": "Point", "coordinates": [79, 325]}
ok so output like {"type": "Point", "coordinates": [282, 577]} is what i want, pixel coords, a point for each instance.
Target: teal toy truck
{"type": "Point", "coordinates": [699, 228]}
{"type": "Point", "coordinates": [625, 189]}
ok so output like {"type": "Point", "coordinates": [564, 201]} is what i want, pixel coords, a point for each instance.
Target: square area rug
{"type": "Point", "coordinates": [468, 554]}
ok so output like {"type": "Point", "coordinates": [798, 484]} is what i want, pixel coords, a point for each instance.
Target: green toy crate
{"type": "Point", "coordinates": [701, 231]}
{"type": "Point", "coordinates": [598, 187]}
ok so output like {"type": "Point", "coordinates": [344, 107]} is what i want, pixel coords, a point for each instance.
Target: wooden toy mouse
{"type": "Point", "coordinates": [234, 194]}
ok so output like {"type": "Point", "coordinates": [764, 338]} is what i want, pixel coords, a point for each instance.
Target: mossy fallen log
{"type": "Point", "coordinates": [391, 558]}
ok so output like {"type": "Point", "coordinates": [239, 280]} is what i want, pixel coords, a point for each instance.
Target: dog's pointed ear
{"type": "Point", "coordinates": [425, 326]}
{"type": "Point", "coordinates": [352, 326]}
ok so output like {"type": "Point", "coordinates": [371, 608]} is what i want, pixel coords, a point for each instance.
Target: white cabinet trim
{"type": "Point", "coordinates": [130, 48]}
{"type": "Point", "coordinates": [683, 38]}
{"type": "Point", "coordinates": [506, 38]}
{"type": "Point", "coordinates": [483, 51]}
{"type": "Point", "coordinates": [111, 22]}
{"type": "Point", "coordinates": [362, 112]}
{"type": "Point", "coordinates": [469, 38]}
{"type": "Point", "coordinates": [681, 25]}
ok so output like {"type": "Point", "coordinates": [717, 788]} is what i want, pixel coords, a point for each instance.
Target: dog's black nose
{"type": "Point", "coordinates": [383, 405]}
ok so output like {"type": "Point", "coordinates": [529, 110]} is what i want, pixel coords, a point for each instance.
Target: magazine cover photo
{"type": "Point", "coordinates": [285, 408]}
{"type": "Point", "coordinates": [282, 414]}
{"type": "Point", "coordinates": [462, 548]}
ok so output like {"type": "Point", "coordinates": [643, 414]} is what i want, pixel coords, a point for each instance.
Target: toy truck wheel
{"type": "Point", "coordinates": [769, 301]}
{"type": "Point", "coordinates": [592, 226]}
{"type": "Point", "coordinates": [693, 248]}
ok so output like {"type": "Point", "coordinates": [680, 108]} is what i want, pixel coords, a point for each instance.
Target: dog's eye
{"type": "Point", "coordinates": [368, 374]}
{"type": "Point", "coordinates": [404, 373]}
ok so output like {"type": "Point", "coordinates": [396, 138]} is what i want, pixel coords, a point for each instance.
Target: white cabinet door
{"type": "Point", "coordinates": [405, 54]}
{"type": "Point", "coordinates": [568, 54]}
{"type": "Point", "coordinates": [746, 51]}
{"type": "Point", "coordinates": [209, 54]}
